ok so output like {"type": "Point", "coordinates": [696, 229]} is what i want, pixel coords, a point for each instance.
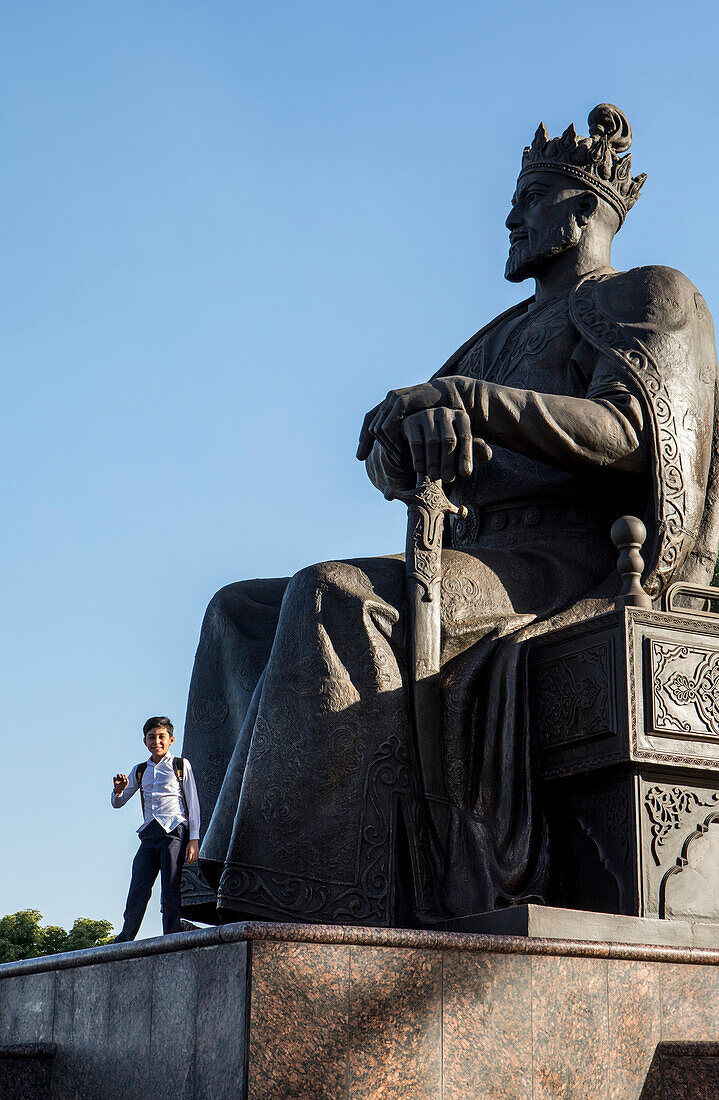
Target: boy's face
{"type": "Point", "coordinates": [158, 741]}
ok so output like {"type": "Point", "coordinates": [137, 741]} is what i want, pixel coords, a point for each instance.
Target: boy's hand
{"type": "Point", "coordinates": [193, 851]}
{"type": "Point", "coordinates": [119, 782]}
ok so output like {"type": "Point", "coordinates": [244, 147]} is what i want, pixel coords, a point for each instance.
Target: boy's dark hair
{"type": "Point", "coordinates": [158, 722]}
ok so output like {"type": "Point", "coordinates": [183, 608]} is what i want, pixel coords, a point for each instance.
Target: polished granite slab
{"type": "Point", "coordinates": [306, 1012]}
{"type": "Point", "coordinates": [26, 1070]}
{"type": "Point", "coordinates": [548, 922]}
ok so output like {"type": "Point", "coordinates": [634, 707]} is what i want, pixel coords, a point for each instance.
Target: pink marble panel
{"type": "Point", "coordinates": [634, 1025]}
{"type": "Point", "coordinates": [690, 1002]}
{"type": "Point", "coordinates": [569, 1028]}
{"type": "Point", "coordinates": [487, 1047]}
{"type": "Point", "coordinates": [395, 1024]}
{"type": "Point", "coordinates": [299, 1036]}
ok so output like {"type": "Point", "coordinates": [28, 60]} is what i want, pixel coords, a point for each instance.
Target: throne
{"type": "Point", "coordinates": [625, 716]}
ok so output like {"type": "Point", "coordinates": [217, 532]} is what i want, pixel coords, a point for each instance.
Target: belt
{"type": "Point", "coordinates": [549, 517]}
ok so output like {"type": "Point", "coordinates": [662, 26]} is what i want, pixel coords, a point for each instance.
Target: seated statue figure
{"type": "Point", "coordinates": [592, 399]}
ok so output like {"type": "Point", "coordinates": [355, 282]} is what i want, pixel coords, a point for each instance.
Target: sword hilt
{"type": "Point", "coordinates": [427, 494]}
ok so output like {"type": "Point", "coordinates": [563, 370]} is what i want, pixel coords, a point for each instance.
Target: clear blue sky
{"type": "Point", "coordinates": [227, 229]}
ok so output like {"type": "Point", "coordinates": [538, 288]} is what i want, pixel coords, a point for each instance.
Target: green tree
{"type": "Point", "coordinates": [19, 935]}
{"type": "Point", "coordinates": [88, 933]}
{"type": "Point", "coordinates": [22, 937]}
{"type": "Point", "coordinates": [52, 939]}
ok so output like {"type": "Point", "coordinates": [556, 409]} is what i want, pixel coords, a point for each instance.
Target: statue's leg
{"type": "Point", "coordinates": [330, 753]}
{"type": "Point", "coordinates": [235, 643]}
{"type": "Point", "coordinates": [327, 817]}
{"type": "Point", "coordinates": [329, 822]}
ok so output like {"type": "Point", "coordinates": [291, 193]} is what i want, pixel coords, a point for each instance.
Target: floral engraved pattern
{"type": "Point", "coordinates": [195, 887]}
{"type": "Point", "coordinates": [279, 805]}
{"type": "Point", "coordinates": [247, 674]}
{"type": "Point", "coordinates": [609, 808]}
{"type": "Point", "coordinates": [214, 771]}
{"type": "Point", "coordinates": [389, 777]}
{"type": "Point", "coordinates": [378, 667]}
{"type": "Point", "coordinates": [261, 738]}
{"type": "Point", "coordinates": [685, 687]}
{"type": "Point", "coordinates": [572, 697]}
{"type": "Point", "coordinates": [528, 339]}
{"type": "Point", "coordinates": [347, 746]}
{"type": "Point", "coordinates": [459, 592]}
{"type": "Point", "coordinates": [426, 509]}
{"type": "Point", "coordinates": [367, 899]}
{"type": "Point", "coordinates": [635, 358]}
{"type": "Point", "coordinates": [311, 675]}
{"type": "Point", "coordinates": [209, 712]}
{"type": "Point", "coordinates": [666, 807]}
{"type": "Point", "coordinates": [426, 564]}
{"type": "Point", "coordinates": [315, 677]}
{"type": "Point", "coordinates": [650, 620]}
{"type": "Point", "coordinates": [465, 529]}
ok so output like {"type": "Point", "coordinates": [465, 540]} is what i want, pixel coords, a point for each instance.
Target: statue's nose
{"type": "Point", "coordinates": [513, 219]}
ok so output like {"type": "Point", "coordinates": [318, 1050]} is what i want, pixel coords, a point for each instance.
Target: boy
{"type": "Point", "coordinates": [170, 831]}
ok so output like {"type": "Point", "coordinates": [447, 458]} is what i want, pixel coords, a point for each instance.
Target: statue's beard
{"type": "Point", "coordinates": [527, 258]}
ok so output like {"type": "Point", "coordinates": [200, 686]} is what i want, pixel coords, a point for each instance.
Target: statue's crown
{"type": "Point", "coordinates": [596, 160]}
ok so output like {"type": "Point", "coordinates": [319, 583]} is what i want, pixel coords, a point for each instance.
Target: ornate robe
{"type": "Point", "coordinates": [596, 404]}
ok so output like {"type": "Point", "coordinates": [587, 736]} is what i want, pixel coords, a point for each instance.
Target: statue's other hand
{"type": "Point", "coordinates": [366, 439]}
{"type": "Point", "coordinates": [384, 422]}
{"type": "Point", "coordinates": [441, 443]}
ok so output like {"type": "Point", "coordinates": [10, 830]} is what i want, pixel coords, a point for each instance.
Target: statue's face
{"type": "Point", "coordinates": [542, 223]}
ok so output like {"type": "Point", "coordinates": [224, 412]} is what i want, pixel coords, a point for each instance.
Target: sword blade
{"type": "Point", "coordinates": [427, 506]}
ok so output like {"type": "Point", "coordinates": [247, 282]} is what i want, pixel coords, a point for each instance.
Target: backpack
{"type": "Point", "coordinates": [178, 766]}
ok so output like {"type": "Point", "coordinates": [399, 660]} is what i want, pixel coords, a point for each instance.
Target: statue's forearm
{"type": "Point", "coordinates": [563, 431]}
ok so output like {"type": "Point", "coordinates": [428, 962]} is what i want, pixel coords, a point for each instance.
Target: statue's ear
{"type": "Point", "coordinates": [587, 203]}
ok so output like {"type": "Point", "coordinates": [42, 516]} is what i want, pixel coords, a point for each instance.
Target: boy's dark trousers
{"type": "Point", "coordinates": [163, 852]}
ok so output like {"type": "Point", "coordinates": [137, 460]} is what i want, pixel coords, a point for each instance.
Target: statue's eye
{"type": "Point", "coordinates": [530, 199]}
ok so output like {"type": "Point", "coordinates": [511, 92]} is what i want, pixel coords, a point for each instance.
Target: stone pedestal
{"type": "Point", "coordinates": [282, 1012]}
{"type": "Point", "coordinates": [26, 1071]}
{"type": "Point", "coordinates": [626, 721]}
{"type": "Point", "coordinates": [548, 922]}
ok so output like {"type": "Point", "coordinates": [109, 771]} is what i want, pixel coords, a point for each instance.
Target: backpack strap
{"type": "Point", "coordinates": [178, 763]}
{"type": "Point", "coordinates": [139, 772]}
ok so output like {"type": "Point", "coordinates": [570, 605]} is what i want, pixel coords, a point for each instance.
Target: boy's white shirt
{"type": "Point", "coordinates": [163, 798]}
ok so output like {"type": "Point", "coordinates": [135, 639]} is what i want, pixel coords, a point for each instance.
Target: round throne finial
{"type": "Point", "coordinates": [629, 535]}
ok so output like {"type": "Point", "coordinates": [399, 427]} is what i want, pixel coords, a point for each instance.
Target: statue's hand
{"type": "Point", "coordinates": [366, 439]}
{"type": "Point", "coordinates": [384, 422]}
{"type": "Point", "coordinates": [441, 443]}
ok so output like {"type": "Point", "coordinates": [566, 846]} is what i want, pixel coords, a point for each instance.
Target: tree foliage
{"type": "Point", "coordinates": [22, 937]}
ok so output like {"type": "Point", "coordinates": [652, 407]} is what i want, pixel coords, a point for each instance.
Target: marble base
{"type": "Point", "coordinates": [546, 922]}
{"type": "Point", "coordinates": [296, 1012]}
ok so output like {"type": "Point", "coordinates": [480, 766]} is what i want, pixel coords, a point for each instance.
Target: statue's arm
{"type": "Point", "coordinates": [604, 429]}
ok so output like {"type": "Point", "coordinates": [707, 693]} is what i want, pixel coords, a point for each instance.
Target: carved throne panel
{"type": "Point", "coordinates": [625, 722]}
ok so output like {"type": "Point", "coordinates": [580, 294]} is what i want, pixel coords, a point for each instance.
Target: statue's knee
{"type": "Point", "coordinates": [222, 606]}
{"type": "Point", "coordinates": [308, 580]}
{"type": "Point", "coordinates": [325, 578]}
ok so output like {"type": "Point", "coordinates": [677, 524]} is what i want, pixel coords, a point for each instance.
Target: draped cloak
{"type": "Point", "coordinates": [298, 725]}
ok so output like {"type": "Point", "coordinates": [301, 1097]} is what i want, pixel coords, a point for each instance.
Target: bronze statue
{"type": "Point", "coordinates": [335, 792]}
